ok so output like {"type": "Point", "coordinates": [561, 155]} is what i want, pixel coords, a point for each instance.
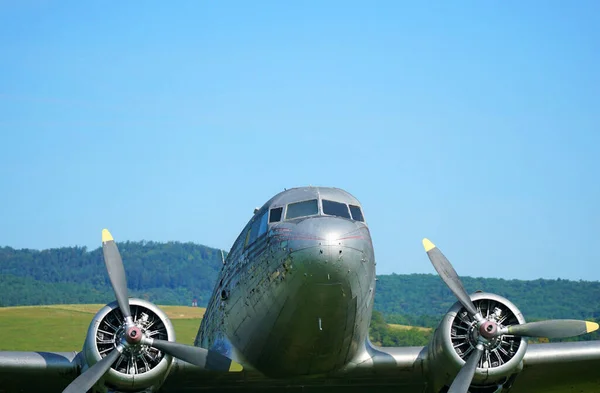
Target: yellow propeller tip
{"type": "Point", "coordinates": [235, 367]}
{"type": "Point", "coordinates": [591, 326]}
{"type": "Point", "coordinates": [428, 245]}
{"type": "Point", "coordinates": [106, 236]}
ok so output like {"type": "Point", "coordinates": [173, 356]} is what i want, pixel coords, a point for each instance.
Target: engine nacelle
{"type": "Point", "coordinates": [139, 368]}
{"type": "Point", "coordinates": [457, 335]}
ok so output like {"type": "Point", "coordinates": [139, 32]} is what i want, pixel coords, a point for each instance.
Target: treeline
{"type": "Point", "coordinates": [175, 273]}
{"type": "Point", "coordinates": [419, 296]}
{"type": "Point", "coordinates": [165, 273]}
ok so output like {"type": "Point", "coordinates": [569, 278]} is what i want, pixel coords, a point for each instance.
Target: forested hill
{"type": "Point", "coordinates": [165, 273]}
{"type": "Point", "coordinates": [175, 273]}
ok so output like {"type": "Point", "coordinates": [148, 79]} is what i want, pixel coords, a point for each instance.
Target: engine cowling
{"type": "Point", "coordinates": [457, 335]}
{"type": "Point", "coordinates": [140, 368]}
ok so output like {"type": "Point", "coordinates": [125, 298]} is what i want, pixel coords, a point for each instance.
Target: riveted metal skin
{"type": "Point", "coordinates": [300, 298]}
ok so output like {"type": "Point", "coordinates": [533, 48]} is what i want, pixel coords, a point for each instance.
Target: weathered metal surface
{"type": "Point", "coordinates": [299, 300]}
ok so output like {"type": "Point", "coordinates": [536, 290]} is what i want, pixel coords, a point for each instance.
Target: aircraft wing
{"type": "Point", "coordinates": [28, 372]}
{"type": "Point", "coordinates": [383, 368]}
{"type": "Point", "coordinates": [570, 367]}
{"type": "Point", "coordinates": [561, 368]}
{"type": "Point", "coordinates": [37, 371]}
{"type": "Point", "coordinates": [552, 368]}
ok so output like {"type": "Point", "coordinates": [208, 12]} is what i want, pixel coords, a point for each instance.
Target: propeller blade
{"type": "Point", "coordinates": [449, 276]}
{"type": "Point", "coordinates": [465, 376]}
{"type": "Point", "coordinates": [116, 272]}
{"type": "Point", "coordinates": [85, 381]}
{"type": "Point", "coordinates": [209, 360]}
{"type": "Point", "coordinates": [554, 328]}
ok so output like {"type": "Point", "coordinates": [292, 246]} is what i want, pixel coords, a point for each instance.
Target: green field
{"type": "Point", "coordinates": [394, 326]}
{"type": "Point", "coordinates": [61, 328]}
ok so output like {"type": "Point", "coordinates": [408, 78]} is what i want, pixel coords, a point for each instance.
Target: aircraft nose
{"type": "Point", "coordinates": [328, 282]}
{"type": "Point", "coordinates": [326, 249]}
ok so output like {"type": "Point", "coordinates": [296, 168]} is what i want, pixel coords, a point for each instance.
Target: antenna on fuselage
{"type": "Point", "coordinates": [222, 257]}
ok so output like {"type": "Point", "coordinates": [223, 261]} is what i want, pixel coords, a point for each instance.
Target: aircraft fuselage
{"type": "Point", "coordinates": [295, 294]}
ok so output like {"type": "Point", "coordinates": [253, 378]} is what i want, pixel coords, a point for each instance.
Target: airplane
{"type": "Point", "coordinates": [291, 310]}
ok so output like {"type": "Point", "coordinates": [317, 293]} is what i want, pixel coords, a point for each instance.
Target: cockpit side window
{"type": "Point", "coordinates": [302, 209]}
{"type": "Point", "coordinates": [275, 215]}
{"type": "Point", "coordinates": [262, 229]}
{"type": "Point", "coordinates": [333, 208]}
{"type": "Point", "coordinates": [258, 228]}
{"type": "Point", "coordinates": [356, 213]}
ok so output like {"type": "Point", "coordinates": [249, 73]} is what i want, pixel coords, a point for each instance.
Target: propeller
{"type": "Point", "coordinates": [463, 380]}
{"type": "Point", "coordinates": [85, 381]}
{"type": "Point", "coordinates": [553, 328]}
{"type": "Point", "coordinates": [116, 273]}
{"type": "Point", "coordinates": [444, 268]}
{"type": "Point", "coordinates": [133, 335]}
{"type": "Point", "coordinates": [489, 329]}
{"type": "Point", "coordinates": [200, 357]}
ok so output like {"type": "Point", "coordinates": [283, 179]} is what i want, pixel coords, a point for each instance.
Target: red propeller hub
{"type": "Point", "coordinates": [488, 329]}
{"type": "Point", "coordinates": [133, 335]}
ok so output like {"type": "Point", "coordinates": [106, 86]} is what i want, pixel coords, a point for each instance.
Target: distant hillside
{"type": "Point", "coordinates": [174, 273]}
{"type": "Point", "coordinates": [425, 294]}
{"type": "Point", "coordinates": [165, 273]}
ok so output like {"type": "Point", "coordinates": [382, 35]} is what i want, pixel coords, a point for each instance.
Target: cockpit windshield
{"type": "Point", "coordinates": [302, 209]}
{"type": "Point", "coordinates": [333, 208]}
{"type": "Point", "coordinates": [356, 213]}
{"type": "Point", "coordinates": [311, 208]}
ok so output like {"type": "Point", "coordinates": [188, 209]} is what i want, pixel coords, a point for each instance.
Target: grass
{"type": "Point", "coordinates": [408, 327]}
{"type": "Point", "coordinates": [63, 327]}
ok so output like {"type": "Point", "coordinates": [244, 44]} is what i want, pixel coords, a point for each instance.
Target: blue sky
{"type": "Point", "coordinates": [475, 124]}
